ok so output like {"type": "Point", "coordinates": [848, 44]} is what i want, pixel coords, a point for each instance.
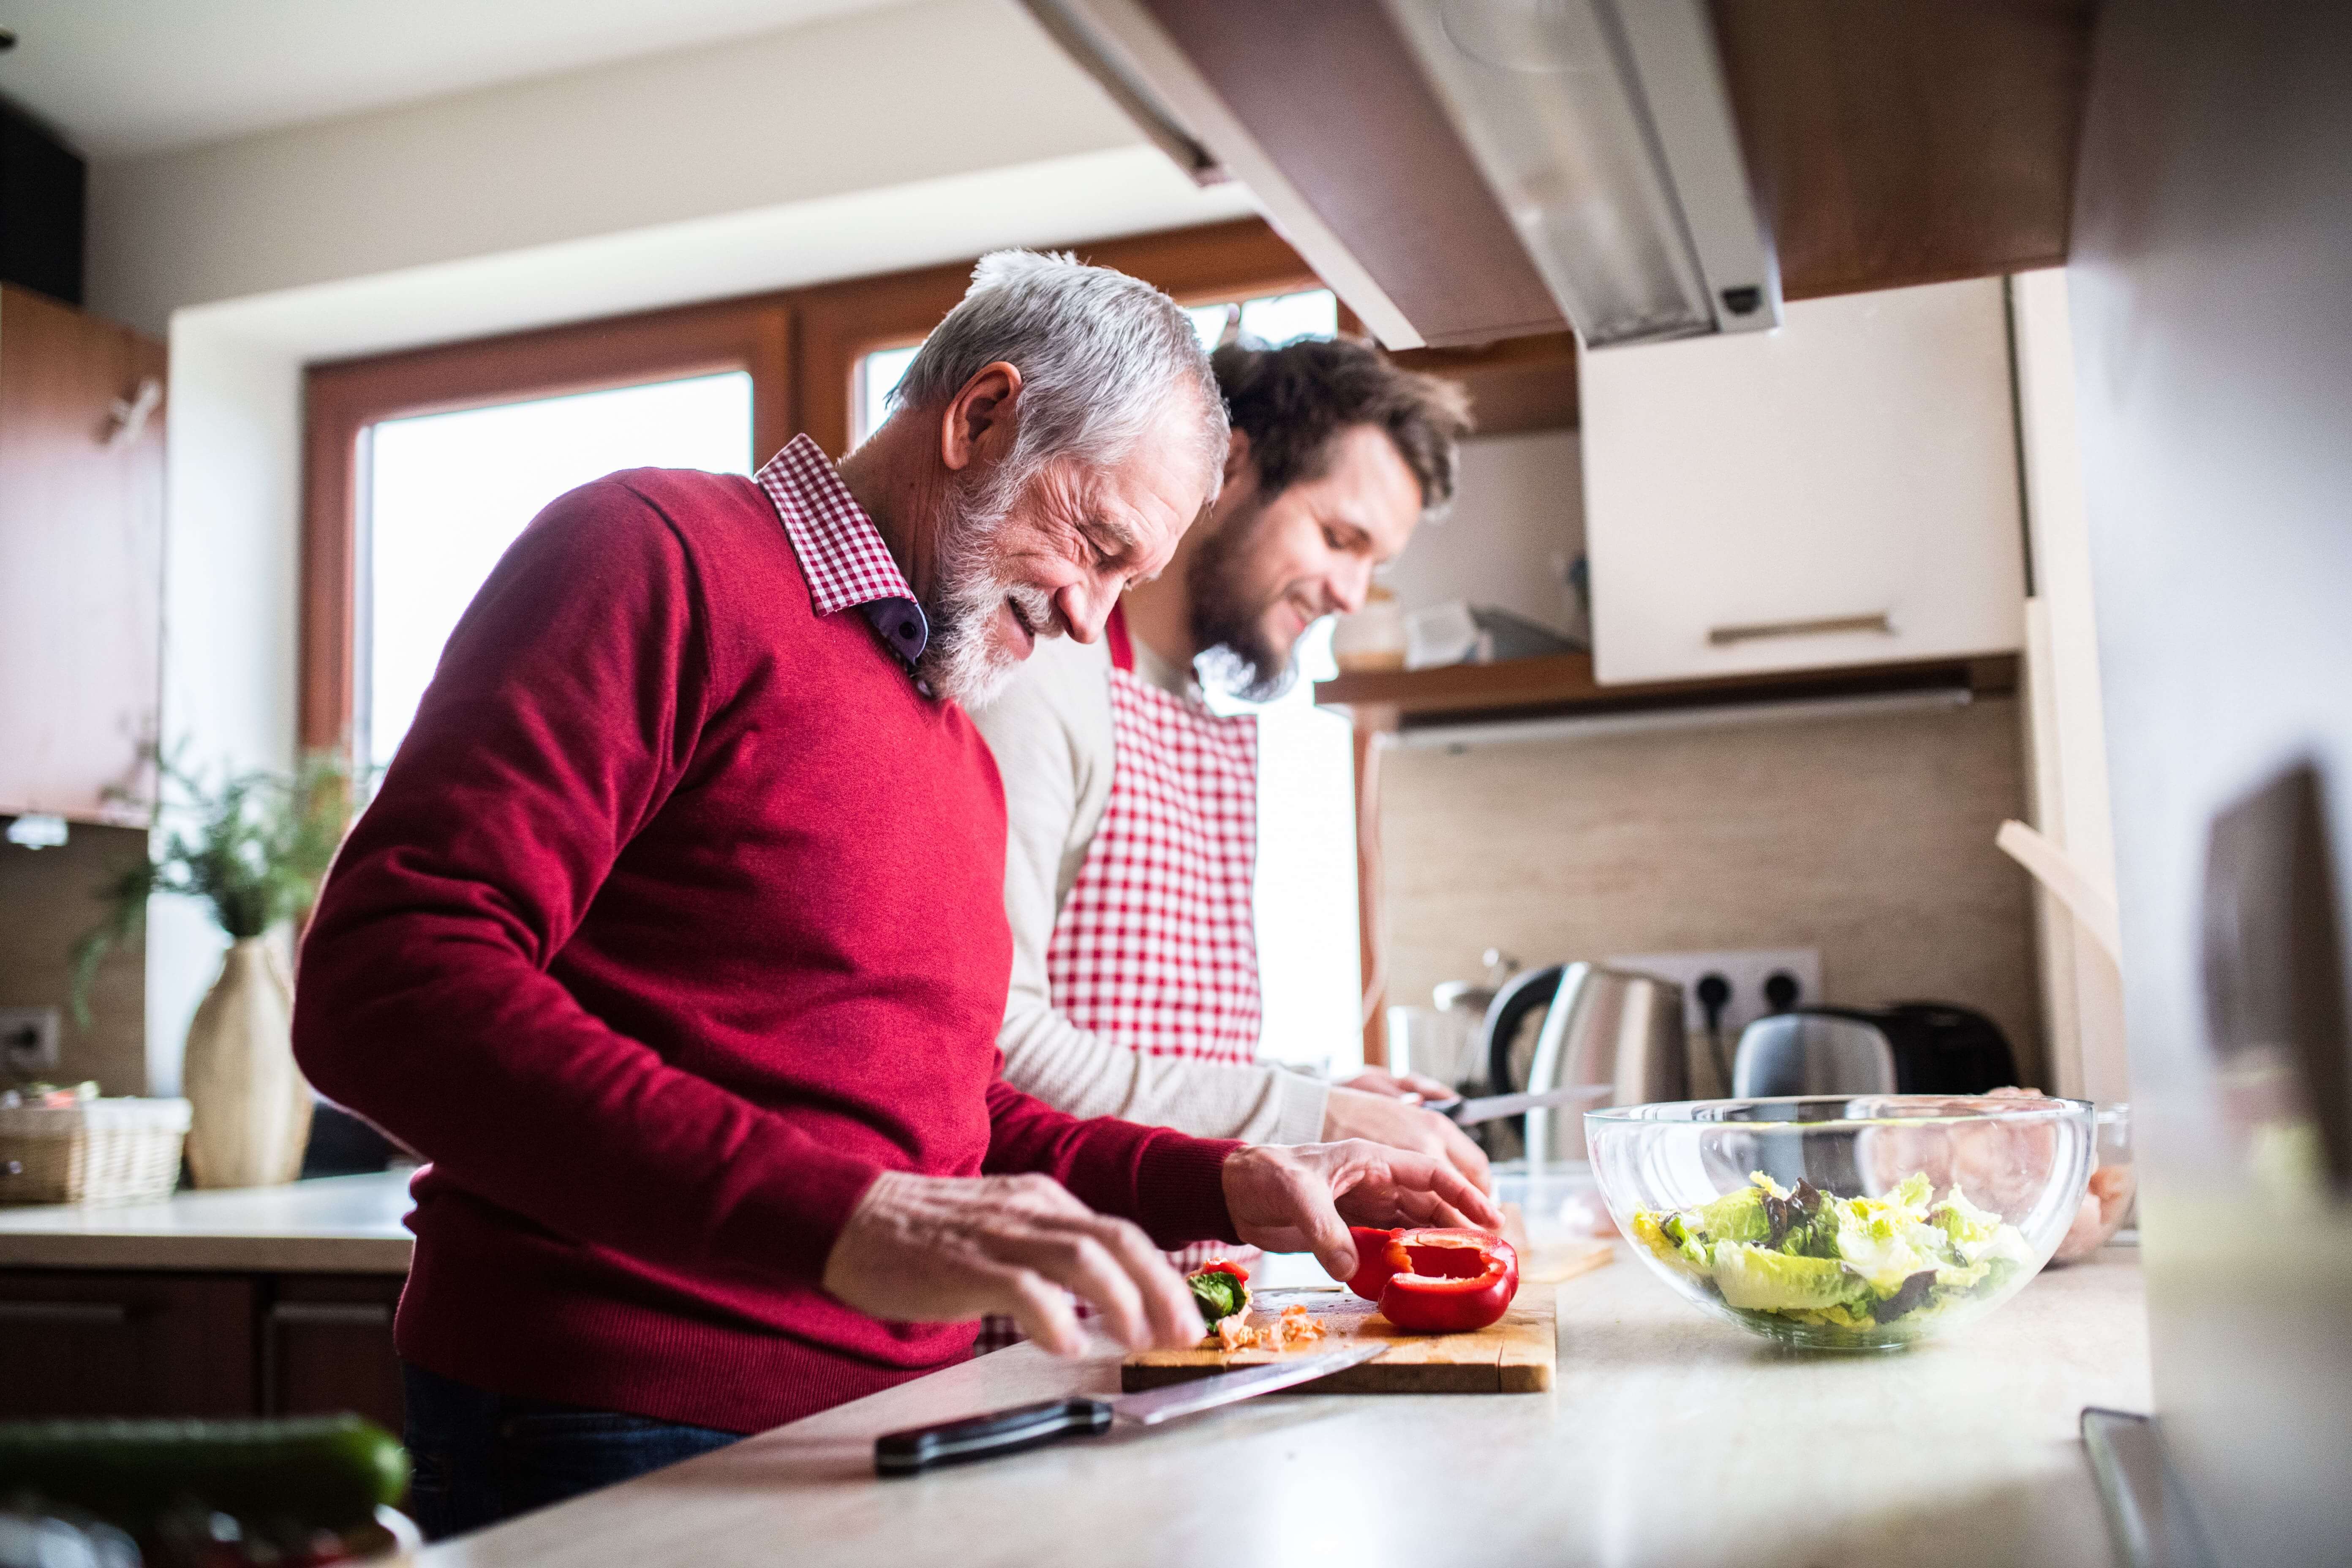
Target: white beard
{"type": "Point", "coordinates": [963, 662]}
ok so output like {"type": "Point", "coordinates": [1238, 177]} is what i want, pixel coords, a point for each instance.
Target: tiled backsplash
{"type": "Point", "coordinates": [1867, 838]}
{"type": "Point", "coordinates": [48, 898]}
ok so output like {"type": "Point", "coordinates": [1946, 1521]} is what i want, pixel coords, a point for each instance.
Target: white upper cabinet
{"type": "Point", "coordinates": [1842, 491]}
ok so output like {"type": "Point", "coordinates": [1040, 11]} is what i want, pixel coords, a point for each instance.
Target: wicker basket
{"type": "Point", "coordinates": [96, 1152]}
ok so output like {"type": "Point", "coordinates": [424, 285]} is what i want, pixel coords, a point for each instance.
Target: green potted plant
{"type": "Point", "coordinates": [253, 849]}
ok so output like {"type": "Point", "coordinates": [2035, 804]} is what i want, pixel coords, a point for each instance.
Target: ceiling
{"type": "Point", "coordinates": [123, 78]}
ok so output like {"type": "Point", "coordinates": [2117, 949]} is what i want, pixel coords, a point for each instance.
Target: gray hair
{"type": "Point", "coordinates": [1099, 354]}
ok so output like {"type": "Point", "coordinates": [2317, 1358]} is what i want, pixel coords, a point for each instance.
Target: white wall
{"type": "Point", "coordinates": [861, 102]}
{"type": "Point", "coordinates": [868, 143]}
{"type": "Point", "coordinates": [2082, 986]}
{"type": "Point", "coordinates": [1517, 522]}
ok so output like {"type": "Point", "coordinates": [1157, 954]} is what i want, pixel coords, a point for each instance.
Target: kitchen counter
{"type": "Point", "coordinates": [1669, 1439]}
{"type": "Point", "coordinates": [337, 1224]}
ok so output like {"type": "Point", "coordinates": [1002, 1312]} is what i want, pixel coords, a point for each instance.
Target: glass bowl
{"type": "Point", "coordinates": [1844, 1223]}
{"type": "Point", "coordinates": [2113, 1186]}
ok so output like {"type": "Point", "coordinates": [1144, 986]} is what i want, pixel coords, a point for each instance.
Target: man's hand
{"type": "Point", "coordinates": [1400, 1123]}
{"type": "Point", "coordinates": [1304, 1197]}
{"type": "Point", "coordinates": [934, 1249]}
{"type": "Point", "coordinates": [1408, 1086]}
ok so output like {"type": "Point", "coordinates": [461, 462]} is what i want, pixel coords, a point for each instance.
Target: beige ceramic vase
{"type": "Point", "coordinates": [251, 1108]}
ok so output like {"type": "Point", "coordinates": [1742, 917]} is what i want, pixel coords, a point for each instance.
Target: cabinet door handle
{"type": "Point", "coordinates": [67, 1314]}
{"type": "Point", "coordinates": [1882, 621]}
{"type": "Point", "coordinates": [330, 1314]}
{"type": "Point", "coordinates": [308, 1315]}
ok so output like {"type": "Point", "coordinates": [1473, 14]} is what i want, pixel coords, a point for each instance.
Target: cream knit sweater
{"type": "Point", "coordinates": [1051, 732]}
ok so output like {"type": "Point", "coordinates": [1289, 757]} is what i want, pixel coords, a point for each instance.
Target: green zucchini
{"type": "Point", "coordinates": [325, 1472]}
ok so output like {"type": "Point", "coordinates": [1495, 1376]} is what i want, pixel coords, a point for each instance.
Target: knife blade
{"type": "Point", "coordinates": [1467, 1112]}
{"type": "Point", "coordinates": [984, 1437]}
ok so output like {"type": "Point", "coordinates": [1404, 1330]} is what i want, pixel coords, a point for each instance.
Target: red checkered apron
{"type": "Point", "coordinates": [1156, 946]}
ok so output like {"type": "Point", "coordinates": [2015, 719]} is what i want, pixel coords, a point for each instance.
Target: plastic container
{"type": "Point", "coordinates": [1373, 637]}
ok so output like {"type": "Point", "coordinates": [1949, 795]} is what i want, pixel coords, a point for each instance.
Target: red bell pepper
{"type": "Point", "coordinates": [1436, 1280]}
{"type": "Point", "coordinates": [1372, 1265]}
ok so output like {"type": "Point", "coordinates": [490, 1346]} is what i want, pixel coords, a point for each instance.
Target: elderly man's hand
{"type": "Point", "coordinates": [1304, 1197]}
{"type": "Point", "coordinates": [931, 1249]}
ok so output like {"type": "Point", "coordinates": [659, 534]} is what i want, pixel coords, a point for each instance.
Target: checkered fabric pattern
{"type": "Point", "coordinates": [841, 552]}
{"type": "Point", "coordinates": [1156, 946]}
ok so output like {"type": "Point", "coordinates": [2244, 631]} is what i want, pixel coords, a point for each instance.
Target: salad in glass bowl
{"type": "Point", "coordinates": [1838, 1223]}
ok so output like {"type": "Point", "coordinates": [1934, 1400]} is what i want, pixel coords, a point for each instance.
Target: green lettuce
{"type": "Point", "coordinates": [1855, 1264]}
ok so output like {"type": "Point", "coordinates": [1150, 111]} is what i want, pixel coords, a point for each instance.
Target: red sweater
{"type": "Point", "coordinates": [678, 918]}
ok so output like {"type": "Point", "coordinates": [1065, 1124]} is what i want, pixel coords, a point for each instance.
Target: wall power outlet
{"type": "Point", "coordinates": [1746, 969]}
{"type": "Point", "coordinates": [28, 1042]}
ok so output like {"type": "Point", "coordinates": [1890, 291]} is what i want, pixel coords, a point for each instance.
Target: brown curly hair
{"type": "Point", "coordinates": [1293, 400]}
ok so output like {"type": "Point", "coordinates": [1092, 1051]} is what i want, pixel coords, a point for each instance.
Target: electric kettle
{"type": "Point", "coordinates": [1608, 1027]}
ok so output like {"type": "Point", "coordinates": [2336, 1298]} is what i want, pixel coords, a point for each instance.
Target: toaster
{"type": "Point", "coordinates": [1902, 1048]}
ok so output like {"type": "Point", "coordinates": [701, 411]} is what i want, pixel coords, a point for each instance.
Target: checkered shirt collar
{"type": "Point", "coordinates": [841, 552]}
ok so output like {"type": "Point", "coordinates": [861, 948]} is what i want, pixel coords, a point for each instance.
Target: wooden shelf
{"type": "Point", "coordinates": [1563, 684]}
{"type": "Point", "coordinates": [1518, 384]}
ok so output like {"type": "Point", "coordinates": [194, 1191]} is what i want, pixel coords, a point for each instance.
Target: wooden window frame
{"type": "Point", "coordinates": [841, 323]}
{"type": "Point", "coordinates": [801, 347]}
{"type": "Point", "coordinates": [342, 400]}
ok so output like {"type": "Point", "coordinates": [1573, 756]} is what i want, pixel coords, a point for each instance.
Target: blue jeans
{"type": "Point", "coordinates": [481, 1456]}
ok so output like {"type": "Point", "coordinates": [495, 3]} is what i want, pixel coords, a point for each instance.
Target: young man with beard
{"type": "Point", "coordinates": [1132, 808]}
{"type": "Point", "coordinates": [674, 936]}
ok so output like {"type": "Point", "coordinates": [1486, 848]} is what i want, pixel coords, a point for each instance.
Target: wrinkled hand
{"type": "Point", "coordinates": [1400, 1123]}
{"type": "Point", "coordinates": [933, 1249]}
{"type": "Point", "coordinates": [1408, 1086]}
{"type": "Point", "coordinates": [1302, 1198]}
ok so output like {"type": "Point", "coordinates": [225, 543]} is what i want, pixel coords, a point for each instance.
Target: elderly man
{"type": "Point", "coordinates": [1115, 768]}
{"type": "Point", "coordinates": [675, 937]}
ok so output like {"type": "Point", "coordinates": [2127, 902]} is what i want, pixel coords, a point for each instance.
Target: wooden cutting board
{"type": "Point", "coordinates": [1514, 1356]}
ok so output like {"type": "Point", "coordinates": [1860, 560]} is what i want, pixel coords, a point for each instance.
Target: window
{"type": "Point", "coordinates": [1307, 952]}
{"type": "Point", "coordinates": [421, 466]}
{"type": "Point", "coordinates": [878, 374]}
{"type": "Point", "coordinates": [1272, 320]}
{"type": "Point", "coordinates": [446, 493]}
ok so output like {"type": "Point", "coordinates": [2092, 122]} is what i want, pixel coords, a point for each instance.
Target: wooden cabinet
{"type": "Point", "coordinates": [118, 1342]}
{"type": "Point", "coordinates": [81, 558]}
{"type": "Point", "coordinates": [326, 1346]}
{"type": "Point", "coordinates": [109, 1343]}
{"type": "Point", "coordinates": [1842, 492]}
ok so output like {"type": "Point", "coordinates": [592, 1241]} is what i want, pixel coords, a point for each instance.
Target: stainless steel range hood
{"type": "Point", "coordinates": [1461, 171]}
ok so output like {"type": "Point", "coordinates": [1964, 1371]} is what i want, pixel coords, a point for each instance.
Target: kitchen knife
{"type": "Point", "coordinates": [1023, 1427]}
{"type": "Point", "coordinates": [1466, 1112]}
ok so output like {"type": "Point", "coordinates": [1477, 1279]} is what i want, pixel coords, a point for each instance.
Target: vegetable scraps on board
{"type": "Point", "coordinates": [1221, 1289]}
{"type": "Point", "coordinates": [1435, 1281]}
{"type": "Point", "coordinates": [1841, 1263]}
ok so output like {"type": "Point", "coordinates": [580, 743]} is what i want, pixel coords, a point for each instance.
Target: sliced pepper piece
{"type": "Point", "coordinates": [1372, 1265]}
{"type": "Point", "coordinates": [1448, 1281]}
